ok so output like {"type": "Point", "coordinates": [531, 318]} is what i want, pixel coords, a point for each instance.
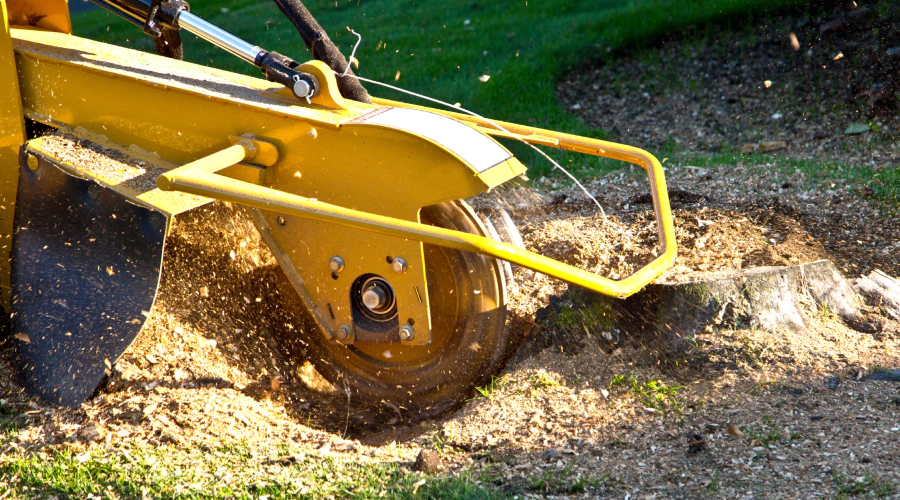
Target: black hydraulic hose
{"type": "Point", "coordinates": [168, 44]}
{"type": "Point", "coordinates": [127, 12]}
{"type": "Point", "coordinates": [322, 48]}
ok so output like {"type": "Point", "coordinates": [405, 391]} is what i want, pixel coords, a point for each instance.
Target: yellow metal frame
{"type": "Point", "coordinates": [322, 165]}
{"type": "Point", "coordinates": [12, 136]}
{"type": "Point", "coordinates": [199, 177]}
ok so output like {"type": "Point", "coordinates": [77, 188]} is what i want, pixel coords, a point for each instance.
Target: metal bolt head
{"type": "Point", "coordinates": [399, 265]}
{"type": "Point", "coordinates": [374, 298]}
{"type": "Point", "coordinates": [281, 220]}
{"type": "Point", "coordinates": [32, 162]}
{"type": "Point", "coordinates": [336, 264]}
{"type": "Point", "coordinates": [407, 332]}
{"type": "Point", "coordinates": [343, 332]}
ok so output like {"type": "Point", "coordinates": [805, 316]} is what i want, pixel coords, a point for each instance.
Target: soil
{"type": "Point", "coordinates": [207, 369]}
{"type": "Point", "coordinates": [739, 412]}
{"type": "Point", "coordinates": [794, 83]}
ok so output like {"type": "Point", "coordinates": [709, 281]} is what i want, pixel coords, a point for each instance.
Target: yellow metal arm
{"type": "Point", "coordinates": [200, 178]}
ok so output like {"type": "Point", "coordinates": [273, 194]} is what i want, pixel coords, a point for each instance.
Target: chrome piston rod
{"type": "Point", "coordinates": [174, 15]}
{"type": "Point", "coordinates": [219, 37]}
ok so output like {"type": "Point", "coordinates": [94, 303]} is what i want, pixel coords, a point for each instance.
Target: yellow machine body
{"type": "Point", "coordinates": [182, 112]}
{"type": "Point", "coordinates": [329, 179]}
{"type": "Point", "coordinates": [12, 136]}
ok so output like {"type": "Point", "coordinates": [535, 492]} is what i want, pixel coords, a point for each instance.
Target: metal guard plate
{"type": "Point", "coordinates": [85, 270]}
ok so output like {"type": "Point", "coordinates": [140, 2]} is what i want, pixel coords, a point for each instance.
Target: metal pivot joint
{"type": "Point", "coordinates": [165, 11]}
{"type": "Point", "coordinates": [283, 70]}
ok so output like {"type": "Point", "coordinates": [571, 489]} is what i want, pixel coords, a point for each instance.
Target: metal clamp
{"type": "Point", "coordinates": [170, 10]}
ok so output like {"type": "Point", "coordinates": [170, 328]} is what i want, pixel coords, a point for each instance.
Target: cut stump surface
{"type": "Point", "coordinates": [768, 298]}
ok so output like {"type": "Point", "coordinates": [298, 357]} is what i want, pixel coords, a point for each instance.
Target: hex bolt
{"type": "Point", "coordinates": [343, 332]}
{"type": "Point", "coordinates": [336, 264]}
{"type": "Point", "coordinates": [281, 220]}
{"type": "Point", "coordinates": [399, 265]}
{"type": "Point", "coordinates": [32, 161]}
{"type": "Point", "coordinates": [407, 332]}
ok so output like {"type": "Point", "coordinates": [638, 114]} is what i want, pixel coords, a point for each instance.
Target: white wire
{"type": "Point", "coordinates": [352, 54]}
{"type": "Point", "coordinates": [472, 113]}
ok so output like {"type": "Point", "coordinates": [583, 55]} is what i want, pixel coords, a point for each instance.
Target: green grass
{"type": "Point", "coordinates": [226, 472]}
{"type": "Point", "coordinates": [543, 379]}
{"type": "Point", "coordinates": [865, 485]}
{"type": "Point", "coordinates": [491, 390]}
{"type": "Point", "coordinates": [563, 482]}
{"type": "Point", "coordinates": [652, 393]}
{"type": "Point", "coordinates": [524, 45]}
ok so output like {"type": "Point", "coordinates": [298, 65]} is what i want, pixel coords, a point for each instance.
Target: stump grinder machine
{"type": "Point", "coordinates": [358, 198]}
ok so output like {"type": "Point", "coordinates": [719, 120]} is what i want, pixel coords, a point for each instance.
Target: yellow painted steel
{"type": "Point", "coordinates": [323, 167]}
{"type": "Point", "coordinates": [183, 112]}
{"type": "Point", "coordinates": [12, 136]}
{"type": "Point", "coordinates": [128, 179]}
{"type": "Point", "coordinates": [199, 178]}
{"type": "Point", "coordinates": [50, 15]}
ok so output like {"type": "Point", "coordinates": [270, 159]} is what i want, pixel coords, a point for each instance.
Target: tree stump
{"type": "Point", "coordinates": [765, 297]}
{"type": "Point", "coordinates": [883, 288]}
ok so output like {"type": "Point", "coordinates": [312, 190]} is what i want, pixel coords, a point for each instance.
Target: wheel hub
{"type": "Point", "coordinates": [376, 298]}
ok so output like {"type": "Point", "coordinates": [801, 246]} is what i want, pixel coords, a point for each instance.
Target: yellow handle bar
{"type": "Point", "coordinates": [200, 178]}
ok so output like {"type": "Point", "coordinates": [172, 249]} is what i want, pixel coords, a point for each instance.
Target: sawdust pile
{"type": "Point", "coordinates": [219, 358]}
{"type": "Point", "coordinates": [710, 238]}
{"type": "Point", "coordinates": [205, 366]}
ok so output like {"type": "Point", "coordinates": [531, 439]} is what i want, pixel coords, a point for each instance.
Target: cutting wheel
{"type": "Point", "coordinates": [470, 339]}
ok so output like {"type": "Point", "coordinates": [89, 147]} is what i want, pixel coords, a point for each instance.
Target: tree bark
{"type": "Point", "coordinates": [884, 288]}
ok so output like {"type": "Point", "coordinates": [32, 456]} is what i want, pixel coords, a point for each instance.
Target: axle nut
{"type": "Point", "coordinates": [407, 332]}
{"type": "Point", "coordinates": [399, 265]}
{"type": "Point", "coordinates": [374, 298]}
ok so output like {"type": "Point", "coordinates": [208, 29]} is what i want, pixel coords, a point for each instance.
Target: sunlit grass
{"type": "Point", "coordinates": [442, 47]}
{"type": "Point", "coordinates": [230, 471]}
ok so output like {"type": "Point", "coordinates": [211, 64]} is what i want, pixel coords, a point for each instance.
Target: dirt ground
{"type": "Point", "coordinates": [738, 413]}
{"type": "Point", "coordinates": [742, 412]}
{"type": "Point", "coordinates": [794, 83]}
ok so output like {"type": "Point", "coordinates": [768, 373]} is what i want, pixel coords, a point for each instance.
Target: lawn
{"type": "Point", "coordinates": [444, 48]}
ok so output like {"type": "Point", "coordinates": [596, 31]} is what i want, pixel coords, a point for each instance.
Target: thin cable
{"type": "Point", "coordinates": [352, 54]}
{"type": "Point", "coordinates": [472, 113]}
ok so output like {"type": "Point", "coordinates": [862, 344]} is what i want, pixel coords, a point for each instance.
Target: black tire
{"type": "Point", "coordinates": [471, 340]}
